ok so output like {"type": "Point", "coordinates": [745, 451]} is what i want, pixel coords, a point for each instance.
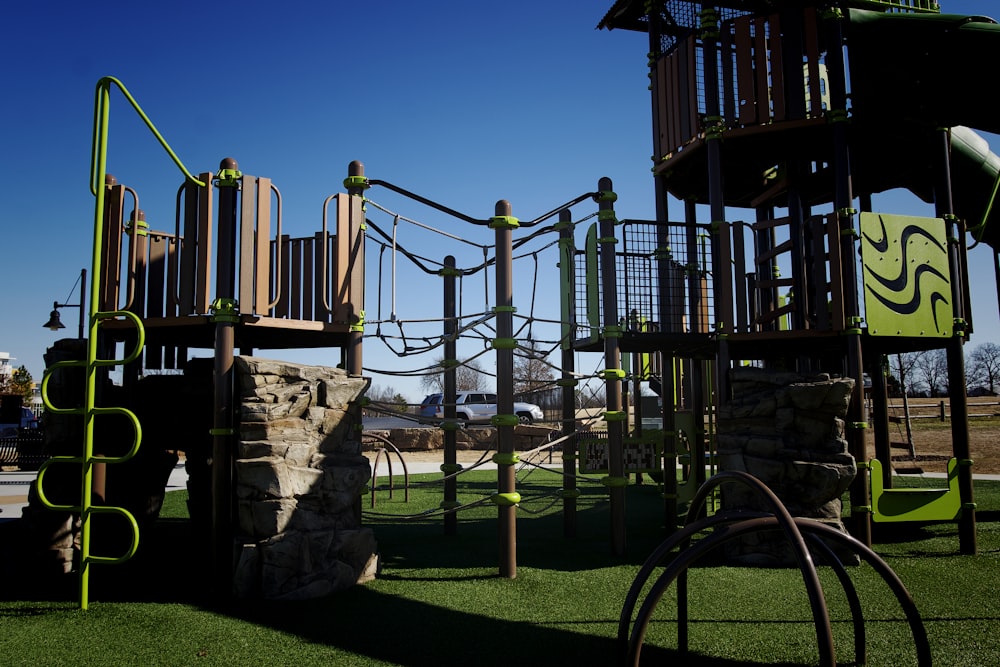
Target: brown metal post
{"type": "Point", "coordinates": [613, 375]}
{"type": "Point", "coordinates": [356, 185]}
{"type": "Point", "coordinates": [503, 223]}
{"type": "Point", "coordinates": [954, 348]}
{"type": "Point", "coordinates": [857, 411]}
{"type": "Point", "coordinates": [567, 380]}
{"type": "Point", "coordinates": [225, 315]}
{"type": "Point", "coordinates": [450, 466]}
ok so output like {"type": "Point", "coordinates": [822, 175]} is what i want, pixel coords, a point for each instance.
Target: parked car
{"type": "Point", "coordinates": [475, 407]}
{"type": "Point", "coordinates": [28, 421]}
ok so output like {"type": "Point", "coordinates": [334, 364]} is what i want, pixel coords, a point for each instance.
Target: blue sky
{"type": "Point", "coordinates": [463, 103]}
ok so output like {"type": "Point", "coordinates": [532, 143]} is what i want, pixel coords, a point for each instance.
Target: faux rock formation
{"type": "Point", "coordinates": [787, 430]}
{"type": "Point", "coordinates": [300, 475]}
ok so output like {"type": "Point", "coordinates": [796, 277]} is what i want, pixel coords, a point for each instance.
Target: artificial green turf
{"type": "Point", "coordinates": [439, 599]}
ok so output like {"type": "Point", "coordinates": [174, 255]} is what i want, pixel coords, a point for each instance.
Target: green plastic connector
{"type": "Point", "coordinates": [222, 431]}
{"type": "Point", "coordinates": [506, 499]}
{"type": "Point", "coordinates": [356, 182]}
{"type": "Point", "coordinates": [505, 420]}
{"type": "Point", "coordinates": [613, 374]}
{"type": "Point", "coordinates": [504, 343]}
{"type": "Point", "coordinates": [228, 178]}
{"type": "Point", "coordinates": [614, 482]}
{"type": "Point", "coordinates": [612, 331]}
{"type": "Point", "coordinates": [225, 310]}
{"type": "Point", "coordinates": [567, 382]}
{"type": "Point", "coordinates": [506, 459]}
{"type": "Point", "coordinates": [360, 324]}
{"type": "Point", "coordinates": [504, 309]}
{"type": "Point", "coordinates": [449, 425]}
{"type": "Point", "coordinates": [610, 240]}
{"type": "Point", "coordinates": [614, 416]}
{"type": "Point", "coordinates": [570, 493]}
{"type": "Point", "coordinates": [504, 222]}
{"type": "Point", "coordinates": [451, 468]}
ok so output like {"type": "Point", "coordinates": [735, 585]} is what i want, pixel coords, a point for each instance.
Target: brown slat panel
{"type": "Point", "coordinates": [262, 263]}
{"type": "Point", "coordinates": [295, 285]}
{"type": "Point", "coordinates": [203, 271]}
{"type": "Point", "coordinates": [811, 36]}
{"type": "Point", "coordinates": [155, 285]}
{"type": "Point", "coordinates": [818, 284]}
{"type": "Point", "coordinates": [338, 298]}
{"type": "Point", "coordinates": [688, 108]}
{"type": "Point", "coordinates": [744, 72]}
{"type": "Point", "coordinates": [728, 74]}
{"type": "Point", "coordinates": [762, 86]}
{"type": "Point", "coordinates": [665, 77]}
{"type": "Point", "coordinates": [111, 249]}
{"type": "Point", "coordinates": [723, 280]}
{"type": "Point", "coordinates": [189, 248]}
{"type": "Point", "coordinates": [308, 278]}
{"type": "Point", "coordinates": [320, 280]}
{"type": "Point", "coordinates": [282, 247]}
{"type": "Point", "coordinates": [157, 276]}
{"type": "Point", "coordinates": [140, 249]}
{"type": "Point", "coordinates": [170, 353]}
{"type": "Point", "coordinates": [664, 93]}
{"type": "Point", "coordinates": [777, 68]}
{"type": "Point", "coordinates": [838, 320]}
{"type": "Point", "coordinates": [244, 249]}
{"type": "Point", "coordinates": [673, 109]}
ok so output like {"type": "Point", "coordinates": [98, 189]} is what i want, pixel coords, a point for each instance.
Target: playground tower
{"type": "Point", "coordinates": [774, 124]}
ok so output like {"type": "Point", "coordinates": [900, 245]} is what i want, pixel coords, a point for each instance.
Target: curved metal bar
{"type": "Point", "coordinates": [428, 202]}
{"type": "Point", "coordinates": [806, 567]}
{"type": "Point", "coordinates": [815, 530]}
{"type": "Point", "coordinates": [388, 462]}
{"type": "Point", "coordinates": [324, 266]}
{"type": "Point", "coordinates": [133, 547]}
{"type": "Point", "coordinates": [850, 591]}
{"type": "Point", "coordinates": [277, 258]}
{"type": "Point", "coordinates": [131, 247]}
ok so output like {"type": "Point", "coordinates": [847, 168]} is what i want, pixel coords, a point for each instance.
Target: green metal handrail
{"type": "Point", "coordinates": [98, 174]}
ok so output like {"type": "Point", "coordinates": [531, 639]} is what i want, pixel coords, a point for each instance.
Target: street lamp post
{"type": "Point", "coordinates": [54, 323]}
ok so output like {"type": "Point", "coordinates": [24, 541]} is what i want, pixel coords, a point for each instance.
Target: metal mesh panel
{"type": "Point", "coordinates": [682, 280]}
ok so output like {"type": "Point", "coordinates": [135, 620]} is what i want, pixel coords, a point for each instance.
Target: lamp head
{"type": "Point", "coordinates": [54, 323]}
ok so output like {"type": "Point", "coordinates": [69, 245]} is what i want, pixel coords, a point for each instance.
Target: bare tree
{"type": "Point", "coordinates": [901, 366]}
{"type": "Point", "coordinates": [931, 367]}
{"type": "Point", "coordinates": [468, 376]}
{"type": "Point", "coordinates": [387, 396]}
{"type": "Point", "coordinates": [984, 367]}
{"type": "Point", "coordinates": [531, 372]}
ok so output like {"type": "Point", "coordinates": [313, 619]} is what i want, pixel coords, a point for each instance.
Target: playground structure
{"type": "Point", "coordinates": [751, 111]}
{"type": "Point", "coordinates": [798, 113]}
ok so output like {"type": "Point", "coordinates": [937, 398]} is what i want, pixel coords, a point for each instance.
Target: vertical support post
{"type": "Point", "coordinates": [503, 223]}
{"type": "Point", "coordinates": [567, 381]}
{"type": "Point", "coordinates": [613, 373]}
{"type": "Point", "coordinates": [450, 466]}
{"type": "Point", "coordinates": [954, 347]}
{"type": "Point", "coordinates": [722, 280]}
{"type": "Point", "coordinates": [224, 315]}
{"type": "Point", "coordinates": [857, 410]}
{"type": "Point", "coordinates": [356, 185]}
{"type": "Point", "coordinates": [695, 385]}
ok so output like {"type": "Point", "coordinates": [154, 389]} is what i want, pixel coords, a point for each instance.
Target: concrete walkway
{"type": "Point", "coordinates": [14, 485]}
